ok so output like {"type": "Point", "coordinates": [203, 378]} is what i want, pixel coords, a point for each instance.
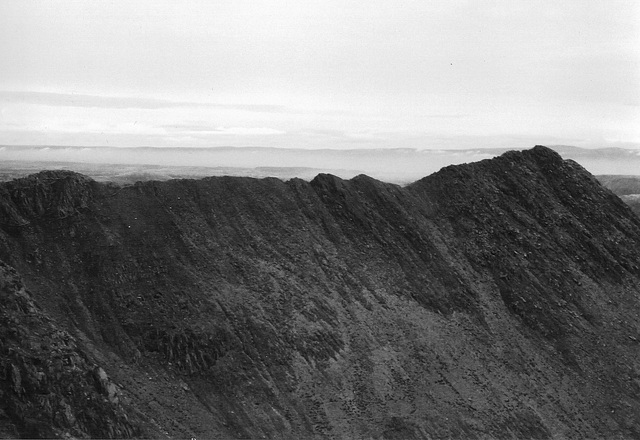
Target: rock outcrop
{"type": "Point", "coordinates": [493, 299]}
{"type": "Point", "coordinates": [48, 389]}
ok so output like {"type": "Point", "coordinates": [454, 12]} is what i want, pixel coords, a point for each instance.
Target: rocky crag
{"type": "Point", "coordinates": [50, 386]}
{"type": "Point", "coordinates": [498, 299]}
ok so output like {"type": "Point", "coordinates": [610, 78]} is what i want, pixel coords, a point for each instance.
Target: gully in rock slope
{"type": "Point", "coordinates": [488, 299]}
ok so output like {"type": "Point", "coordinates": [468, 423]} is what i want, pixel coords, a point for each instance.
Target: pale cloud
{"type": "Point", "coordinates": [123, 102]}
{"type": "Point", "coordinates": [237, 131]}
{"type": "Point", "coordinates": [320, 74]}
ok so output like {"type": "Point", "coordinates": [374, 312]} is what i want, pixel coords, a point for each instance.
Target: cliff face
{"type": "Point", "coordinates": [50, 387]}
{"type": "Point", "coordinates": [499, 298]}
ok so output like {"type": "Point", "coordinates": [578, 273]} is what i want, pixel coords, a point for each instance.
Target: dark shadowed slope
{"type": "Point", "coordinates": [493, 299]}
{"type": "Point", "coordinates": [50, 386]}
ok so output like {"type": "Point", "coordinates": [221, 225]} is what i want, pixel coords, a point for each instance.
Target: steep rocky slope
{"type": "Point", "coordinates": [494, 299]}
{"type": "Point", "coordinates": [50, 387]}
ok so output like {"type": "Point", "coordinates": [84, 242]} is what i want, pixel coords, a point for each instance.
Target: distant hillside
{"type": "Point", "coordinates": [626, 187]}
{"type": "Point", "coordinates": [633, 200]}
{"type": "Point", "coordinates": [621, 185]}
{"type": "Point", "coordinates": [395, 165]}
{"type": "Point", "coordinates": [497, 299]}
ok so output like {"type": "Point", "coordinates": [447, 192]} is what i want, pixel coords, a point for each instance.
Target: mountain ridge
{"type": "Point", "coordinates": [488, 299]}
{"type": "Point", "coordinates": [396, 165]}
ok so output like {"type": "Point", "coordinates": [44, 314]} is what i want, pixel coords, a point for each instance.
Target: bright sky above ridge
{"type": "Point", "coordinates": [320, 74]}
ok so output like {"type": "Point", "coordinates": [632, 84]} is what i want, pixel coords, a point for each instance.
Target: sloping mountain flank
{"type": "Point", "coordinates": [497, 299]}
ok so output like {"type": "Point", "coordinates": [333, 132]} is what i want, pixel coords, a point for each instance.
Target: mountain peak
{"type": "Point", "coordinates": [44, 196]}
{"type": "Point", "coordinates": [543, 151]}
{"type": "Point", "coordinates": [490, 299]}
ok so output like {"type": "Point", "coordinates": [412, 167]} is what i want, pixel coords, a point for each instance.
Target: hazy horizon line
{"type": "Point", "coordinates": [310, 149]}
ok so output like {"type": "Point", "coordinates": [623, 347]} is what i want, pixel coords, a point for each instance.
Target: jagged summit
{"type": "Point", "coordinates": [490, 299]}
{"type": "Point", "coordinates": [538, 153]}
{"type": "Point", "coordinates": [44, 195]}
{"type": "Point", "coordinates": [540, 158]}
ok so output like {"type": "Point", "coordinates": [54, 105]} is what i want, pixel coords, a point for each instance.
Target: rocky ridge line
{"type": "Point", "coordinates": [489, 299]}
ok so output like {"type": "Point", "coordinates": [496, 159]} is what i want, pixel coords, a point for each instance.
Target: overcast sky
{"type": "Point", "coordinates": [320, 74]}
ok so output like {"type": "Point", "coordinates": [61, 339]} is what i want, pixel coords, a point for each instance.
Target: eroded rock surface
{"type": "Point", "coordinates": [492, 299]}
{"type": "Point", "coordinates": [48, 388]}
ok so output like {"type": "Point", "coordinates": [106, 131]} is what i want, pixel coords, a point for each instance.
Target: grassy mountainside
{"type": "Point", "coordinates": [494, 299]}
